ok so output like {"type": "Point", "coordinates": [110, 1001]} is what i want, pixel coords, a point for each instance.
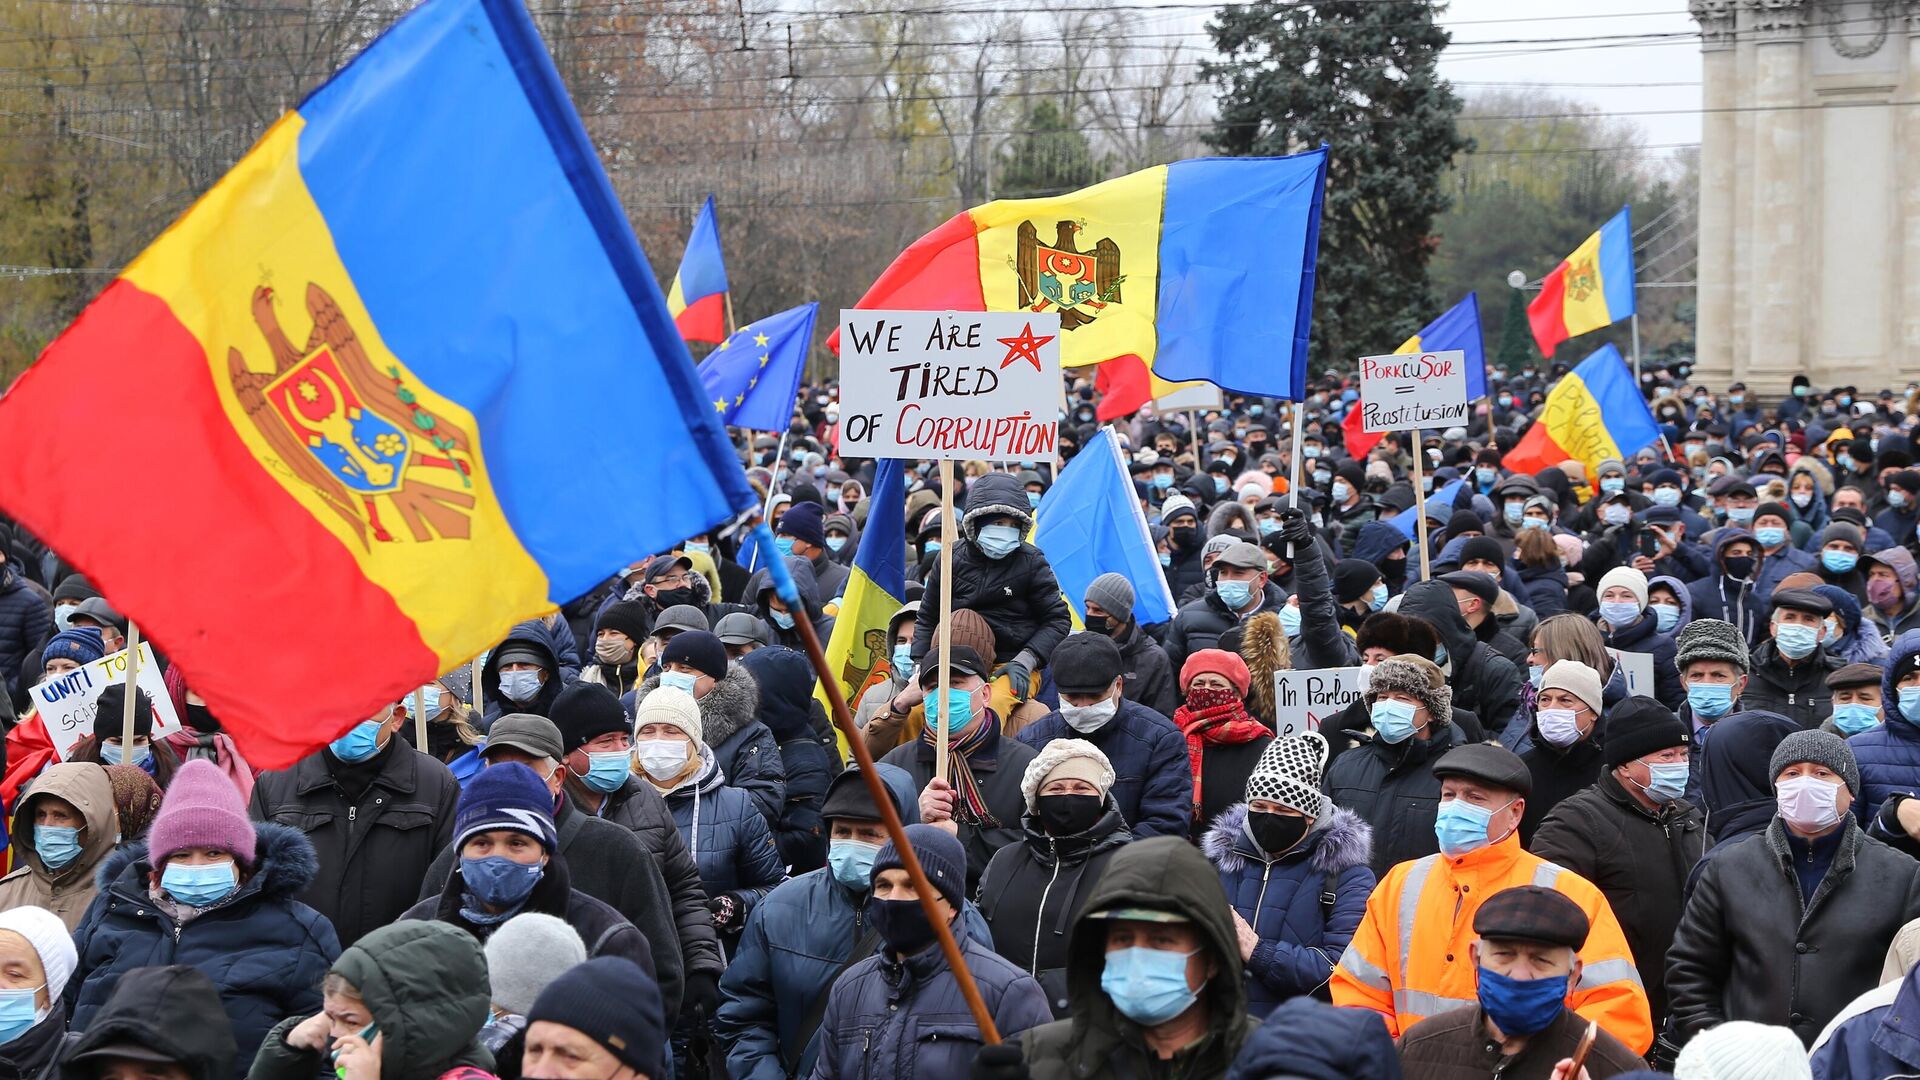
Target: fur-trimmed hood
{"type": "Point", "coordinates": [1338, 841]}
{"type": "Point", "coordinates": [284, 864]}
{"type": "Point", "coordinates": [733, 703]}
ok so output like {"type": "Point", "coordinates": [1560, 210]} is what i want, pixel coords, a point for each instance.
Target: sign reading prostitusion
{"type": "Point", "coordinates": [1413, 390]}
{"type": "Point", "coordinates": [958, 386]}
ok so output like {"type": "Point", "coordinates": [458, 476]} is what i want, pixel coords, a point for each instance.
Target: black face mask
{"type": "Point", "coordinates": [1100, 624]}
{"type": "Point", "coordinates": [1276, 833]}
{"type": "Point", "coordinates": [902, 924]}
{"type": "Point", "coordinates": [200, 719]}
{"type": "Point", "coordinates": [667, 598]}
{"type": "Point", "coordinates": [1739, 566]}
{"type": "Point", "coordinates": [1069, 815]}
{"type": "Point", "coordinates": [1394, 570]}
{"type": "Point", "coordinates": [1183, 536]}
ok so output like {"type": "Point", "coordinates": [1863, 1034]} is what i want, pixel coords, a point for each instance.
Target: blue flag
{"type": "Point", "coordinates": [1439, 503]}
{"type": "Point", "coordinates": [752, 376]}
{"type": "Point", "coordinates": [1457, 328]}
{"type": "Point", "coordinates": [1090, 523]}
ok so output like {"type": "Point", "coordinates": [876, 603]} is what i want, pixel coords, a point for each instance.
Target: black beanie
{"type": "Point", "coordinates": [1482, 548]}
{"type": "Point", "coordinates": [1352, 578]}
{"type": "Point", "coordinates": [699, 650]}
{"type": "Point", "coordinates": [584, 712]}
{"type": "Point", "coordinates": [1639, 726]}
{"type": "Point", "coordinates": [109, 722]}
{"type": "Point", "coordinates": [1352, 473]}
{"type": "Point", "coordinates": [940, 855]}
{"type": "Point", "coordinates": [629, 617]}
{"type": "Point", "coordinates": [614, 1002]}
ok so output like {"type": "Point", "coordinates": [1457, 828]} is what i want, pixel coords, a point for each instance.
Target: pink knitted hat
{"type": "Point", "coordinates": [201, 809]}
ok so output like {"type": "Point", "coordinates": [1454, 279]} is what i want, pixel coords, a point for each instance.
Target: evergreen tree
{"type": "Point", "coordinates": [1050, 157]}
{"type": "Point", "coordinates": [1361, 77]}
{"type": "Point", "coordinates": [1516, 336]}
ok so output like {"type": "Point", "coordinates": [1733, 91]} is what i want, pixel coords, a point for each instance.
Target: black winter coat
{"type": "Point", "coordinates": [26, 622]}
{"type": "Point", "coordinates": [640, 810]}
{"type": "Point", "coordinates": [1748, 949]}
{"type": "Point", "coordinates": [786, 707]}
{"type": "Point", "coordinates": [1638, 858]}
{"type": "Point", "coordinates": [1147, 673]}
{"type": "Point", "coordinates": [610, 864]}
{"type": "Point", "coordinates": [1393, 790]}
{"type": "Point", "coordinates": [1557, 774]}
{"type": "Point", "coordinates": [1031, 891]}
{"type": "Point", "coordinates": [1798, 693]}
{"type": "Point", "coordinates": [998, 766]}
{"type": "Point", "coordinates": [1200, 624]}
{"type": "Point", "coordinates": [1484, 682]}
{"type": "Point", "coordinates": [374, 841]}
{"type": "Point", "coordinates": [1018, 596]}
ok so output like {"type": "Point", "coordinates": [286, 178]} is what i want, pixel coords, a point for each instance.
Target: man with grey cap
{"type": "Point", "coordinates": [1155, 790]}
{"type": "Point", "coordinates": [741, 632]}
{"type": "Point", "coordinates": [1788, 925]}
{"type": "Point", "coordinates": [1238, 589]}
{"type": "Point", "coordinates": [1148, 674]}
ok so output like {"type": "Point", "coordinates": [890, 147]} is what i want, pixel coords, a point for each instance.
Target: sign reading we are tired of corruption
{"type": "Point", "coordinates": [1413, 390]}
{"type": "Point", "coordinates": [960, 386]}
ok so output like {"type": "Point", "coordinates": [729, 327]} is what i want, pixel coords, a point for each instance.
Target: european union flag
{"type": "Point", "coordinates": [754, 375]}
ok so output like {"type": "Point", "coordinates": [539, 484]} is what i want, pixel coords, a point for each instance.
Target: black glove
{"type": "Point", "coordinates": [724, 908]}
{"type": "Point", "coordinates": [702, 994]}
{"type": "Point", "coordinates": [1295, 529]}
{"type": "Point", "coordinates": [1000, 1062]}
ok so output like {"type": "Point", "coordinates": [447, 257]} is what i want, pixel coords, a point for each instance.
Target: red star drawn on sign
{"type": "Point", "coordinates": [1024, 347]}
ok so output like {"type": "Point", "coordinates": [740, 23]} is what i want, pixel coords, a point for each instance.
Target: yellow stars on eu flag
{"type": "Point", "coordinates": [761, 340]}
{"type": "Point", "coordinates": [763, 359]}
{"type": "Point", "coordinates": [720, 406]}
{"type": "Point", "coordinates": [739, 400]}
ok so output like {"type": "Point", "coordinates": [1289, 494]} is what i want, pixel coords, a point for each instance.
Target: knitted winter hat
{"type": "Point", "coordinates": [201, 808]}
{"type": "Point", "coordinates": [1577, 679]}
{"type": "Point", "coordinates": [1627, 576]}
{"type": "Point", "coordinates": [1639, 726]}
{"type": "Point", "coordinates": [614, 1002]}
{"type": "Point", "coordinates": [1416, 676]}
{"type": "Point", "coordinates": [505, 796]}
{"type": "Point", "coordinates": [110, 710]}
{"type": "Point", "coordinates": [940, 855]}
{"type": "Point", "coordinates": [627, 616]}
{"type": "Point", "coordinates": [526, 953]}
{"type": "Point", "coordinates": [1114, 593]}
{"type": "Point", "coordinates": [1353, 578]}
{"type": "Point", "coordinates": [699, 650]}
{"type": "Point", "coordinates": [670, 705]}
{"type": "Point", "coordinates": [1220, 662]}
{"type": "Point", "coordinates": [585, 711]}
{"type": "Point", "coordinates": [1482, 549]}
{"type": "Point", "coordinates": [1175, 505]}
{"type": "Point", "coordinates": [1817, 747]}
{"type": "Point", "coordinates": [49, 937]}
{"type": "Point", "coordinates": [80, 644]}
{"type": "Point", "coordinates": [1744, 1050]}
{"type": "Point", "coordinates": [1063, 758]}
{"type": "Point", "coordinates": [1289, 773]}
{"type": "Point", "coordinates": [802, 521]}
{"type": "Point", "coordinates": [1711, 639]}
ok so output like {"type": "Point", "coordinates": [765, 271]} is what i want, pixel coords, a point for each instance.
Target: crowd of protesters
{"type": "Point", "coordinates": [1632, 777]}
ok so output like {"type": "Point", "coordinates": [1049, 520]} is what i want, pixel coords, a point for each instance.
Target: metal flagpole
{"type": "Point", "coordinates": [1636, 346]}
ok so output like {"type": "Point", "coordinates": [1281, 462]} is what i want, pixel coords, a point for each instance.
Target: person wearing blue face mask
{"type": "Point", "coordinates": [521, 675]}
{"type": "Point", "coordinates": [1634, 833]}
{"type": "Point", "coordinates": [900, 669]}
{"type": "Point", "coordinates": [1790, 668]}
{"type": "Point", "coordinates": [1385, 780]}
{"type": "Point", "coordinates": [1627, 625]}
{"type": "Point", "coordinates": [1240, 588]}
{"type": "Point", "coordinates": [1840, 546]}
{"type": "Point", "coordinates": [62, 829]}
{"type": "Point", "coordinates": [1856, 700]}
{"type": "Point", "coordinates": [1779, 556]}
{"type": "Point", "coordinates": [1889, 753]}
{"type": "Point", "coordinates": [103, 746]}
{"type": "Point", "coordinates": [843, 539]}
{"type": "Point", "coordinates": [214, 890]}
{"type": "Point", "coordinates": [801, 533]}
{"type": "Point", "coordinates": [36, 960]}
{"type": "Point", "coordinates": [1525, 961]}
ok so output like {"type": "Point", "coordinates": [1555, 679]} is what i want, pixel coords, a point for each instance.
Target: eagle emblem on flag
{"type": "Point", "coordinates": [1059, 275]}
{"type": "Point", "coordinates": [1583, 278]}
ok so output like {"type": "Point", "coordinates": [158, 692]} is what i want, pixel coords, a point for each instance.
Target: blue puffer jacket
{"type": "Point", "coordinates": [796, 942]}
{"type": "Point", "coordinates": [731, 843]}
{"type": "Point", "coordinates": [1317, 1041]}
{"type": "Point", "coordinates": [1154, 777]}
{"type": "Point", "coordinates": [906, 1018]}
{"type": "Point", "coordinates": [26, 622]}
{"type": "Point", "coordinates": [1880, 1041]}
{"type": "Point", "coordinates": [265, 951]}
{"type": "Point", "coordinates": [1888, 753]}
{"type": "Point", "coordinates": [1285, 900]}
{"type": "Point", "coordinates": [743, 746]}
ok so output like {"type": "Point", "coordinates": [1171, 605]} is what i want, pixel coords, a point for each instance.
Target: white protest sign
{"type": "Point", "coordinates": [66, 703]}
{"type": "Point", "coordinates": [1637, 669]}
{"type": "Point", "coordinates": [1413, 390]}
{"type": "Point", "coordinates": [1302, 699]}
{"type": "Point", "coordinates": [956, 386]}
{"type": "Point", "coordinates": [1189, 395]}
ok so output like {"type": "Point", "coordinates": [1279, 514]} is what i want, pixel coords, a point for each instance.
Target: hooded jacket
{"type": "Point", "coordinates": [374, 846]}
{"type": "Point", "coordinates": [1484, 682]}
{"type": "Point", "coordinates": [264, 950]}
{"type": "Point", "coordinates": [1031, 891]}
{"type": "Point", "coordinates": [1018, 596]}
{"type": "Point", "coordinates": [1164, 874]}
{"type": "Point", "coordinates": [1717, 596]}
{"type": "Point", "coordinates": [786, 680]}
{"type": "Point", "coordinates": [742, 745]}
{"type": "Point", "coordinates": [536, 636]}
{"type": "Point", "coordinates": [1888, 754]}
{"type": "Point", "coordinates": [1733, 775]}
{"type": "Point", "coordinates": [1313, 1041]}
{"type": "Point", "coordinates": [1748, 947]}
{"type": "Point", "coordinates": [1304, 904]}
{"type": "Point", "coordinates": [426, 986]}
{"type": "Point", "coordinates": [67, 891]}
{"type": "Point", "coordinates": [1153, 785]}
{"type": "Point", "coordinates": [1685, 599]}
{"type": "Point", "coordinates": [166, 1009]}
{"type": "Point", "coordinates": [760, 592]}
{"type": "Point", "coordinates": [1853, 646]}
{"type": "Point", "coordinates": [1639, 858]}
{"type": "Point", "coordinates": [1901, 562]}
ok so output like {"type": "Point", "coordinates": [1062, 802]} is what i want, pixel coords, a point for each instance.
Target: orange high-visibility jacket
{"type": "Point", "coordinates": [1409, 959]}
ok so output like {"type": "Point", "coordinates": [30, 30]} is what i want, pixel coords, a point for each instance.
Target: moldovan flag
{"type": "Point", "coordinates": [358, 372]}
{"type": "Point", "coordinates": [1590, 289]}
{"type": "Point", "coordinates": [1456, 328]}
{"type": "Point", "coordinates": [1202, 269]}
{"type": "Point", "coordinates": [859, 648]}
{"type": "Point", "coordinates": [698, 298]}
{"type": "Point", "coordinates": [1593, 413]}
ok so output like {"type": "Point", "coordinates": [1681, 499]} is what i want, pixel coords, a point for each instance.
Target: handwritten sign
{"type": "Point", "coordinates": [1413, 390]}
{"type": "Point", "coordinates": [957, 386]}
{"type": "Point", "coordinates": [1637, 669]}
{"type": "Point", "coordinates": [1302, 699]}
{"type": "Point", "coordinates": [67, 703]}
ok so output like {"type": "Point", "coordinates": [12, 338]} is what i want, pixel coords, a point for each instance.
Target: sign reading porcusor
{"type": "Point", "coordinates": [959, 386]}
{"type": "Point", "coordinates": [1413, 390]}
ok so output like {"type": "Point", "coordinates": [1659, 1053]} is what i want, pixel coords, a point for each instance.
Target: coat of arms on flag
{"type": "Point", "coordinates": [1079, 283]}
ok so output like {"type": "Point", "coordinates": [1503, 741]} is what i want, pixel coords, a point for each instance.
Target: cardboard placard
{"type": "Point", "coordinates": [952, 386]}
{"type": "Point", "coordinates": [66, 703]}
{"type": "Point", "coordinates": [1637, 669]}
{"type": "Point", "coordinates": [1302, 699]}
{"type": "Point", "coordinates": [1413, 390]}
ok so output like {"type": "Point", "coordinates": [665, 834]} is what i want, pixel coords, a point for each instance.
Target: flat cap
{"type": "Point", "coordinates": [1855, 675]}
{"type": "Point", "coordinates": [1802, 600]}
{"type": "Point", "coordinates": [535, 735]}
{"type": "Point", "coordinates": [1532, 913]}
{"type": "Point", "coordinates": [740, 628]}
{"type": "Point", "coordinates": [1084, 663]}
{"type": "Point", "coordinates": [1243, 555]}
{"type": "Point", "coordinates": [1475, 582]}
{"type": "Point", "coordinates": [1489, 763]}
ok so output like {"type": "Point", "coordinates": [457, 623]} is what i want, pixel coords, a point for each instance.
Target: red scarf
{"type": "Point", "coordinates": [1214, 718]}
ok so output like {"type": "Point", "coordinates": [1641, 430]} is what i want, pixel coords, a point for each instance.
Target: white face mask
{"type": "Point", "coordinates": [1087, 719]}
{"type": "Point", "coordinates": [1808, 803]}
{"type": "Point", "coordinates": [661, 758]}
{"type": "Point", "coordinates": [1561, 727]}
